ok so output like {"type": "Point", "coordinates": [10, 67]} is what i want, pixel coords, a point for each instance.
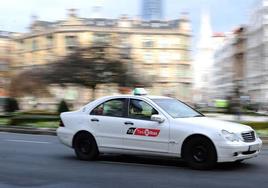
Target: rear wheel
{"type": "Point", "coordinates": [200, 153]}
{"type": "Point", "coordinates": [85, 146]}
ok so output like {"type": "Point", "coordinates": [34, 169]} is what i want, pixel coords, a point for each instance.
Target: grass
{"type": "Point", "coordinates": [34, 124]}
{"type": "Point", "coordinates": [33, 120]}
{"type": "Point", "coordinates": [4, 121]}
{"type": "Point", "coordinates": [43, 124]}
{"type": "Point", "coordinates": [257, 125]}
{"type": "Point", "coordinates": [262, 132]}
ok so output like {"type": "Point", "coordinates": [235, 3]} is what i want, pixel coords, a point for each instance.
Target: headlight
{"type": "Point", "coordinates": [230, 136]}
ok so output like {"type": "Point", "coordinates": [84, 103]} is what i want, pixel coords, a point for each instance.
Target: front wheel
{"type": "Point", "coordinates": [85, 147]}
{"type": "Point", "coordinates": [200, 153]}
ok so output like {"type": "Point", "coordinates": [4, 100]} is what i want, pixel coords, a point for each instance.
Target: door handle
{"type": "Point", "coordinates": [129, 123]}
{"type": "Point", "coordinates": [94, 119]}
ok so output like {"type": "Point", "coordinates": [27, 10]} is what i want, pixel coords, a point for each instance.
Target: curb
{"type": "Point", "coordinates": [28, 130]}
{"type": "Point", "coordinates": [50, 131]}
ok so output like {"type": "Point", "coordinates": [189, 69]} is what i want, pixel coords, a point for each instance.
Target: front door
{"type": "Point", "coordinates": [141, 133]}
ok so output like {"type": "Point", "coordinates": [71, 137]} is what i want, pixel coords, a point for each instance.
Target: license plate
{"type": "Point", "coordinates": [254, 147]}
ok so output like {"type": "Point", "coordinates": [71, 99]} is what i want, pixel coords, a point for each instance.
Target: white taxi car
{"type": "Point", "coordinates": [155, 125]}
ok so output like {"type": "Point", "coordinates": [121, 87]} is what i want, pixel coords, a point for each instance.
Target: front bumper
{"type": "Point", "coordinates": [230, 152]}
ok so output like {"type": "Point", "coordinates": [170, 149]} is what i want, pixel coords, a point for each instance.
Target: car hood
{"type": "Point", "coordinates": [205, 122]}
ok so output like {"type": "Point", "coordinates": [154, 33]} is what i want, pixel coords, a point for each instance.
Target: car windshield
{"type": "Point", "coordinates": [177, 109]}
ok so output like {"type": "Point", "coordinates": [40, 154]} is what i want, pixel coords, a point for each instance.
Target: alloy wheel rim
{"type": "Point", "coordinates": [199, 153]}
{"type": "Point", "coordinates": [85, 146]}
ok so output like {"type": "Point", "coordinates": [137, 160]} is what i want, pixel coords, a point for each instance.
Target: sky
{"type": "Point", "coordinates": [15, 15]}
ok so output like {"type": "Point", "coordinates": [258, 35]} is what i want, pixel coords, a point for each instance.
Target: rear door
{"type": "Point", "coordinates": [140, 132]}
{"type": "Point", "coordinates": [107, 120]}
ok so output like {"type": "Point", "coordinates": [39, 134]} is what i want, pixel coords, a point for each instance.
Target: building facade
{"type": "Point", "coordinates": [229, 65]}
{"type": "Point", "coordinates": [158, 48]}
{"type": "Point", "coordinates": [256, 70]}
{"type": "Point", "coordinates": [152, 9]}
{"type": "Point", "coordinates": [7, 47]}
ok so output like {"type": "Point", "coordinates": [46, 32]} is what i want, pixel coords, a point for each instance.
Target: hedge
{"type": "Point", "coordinates": [24, 119]}
{"type": "Point", "coordinates": [257, 125]}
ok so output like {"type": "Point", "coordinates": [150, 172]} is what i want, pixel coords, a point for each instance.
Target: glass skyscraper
{"type": "Point", "coordinates": [152, 9]}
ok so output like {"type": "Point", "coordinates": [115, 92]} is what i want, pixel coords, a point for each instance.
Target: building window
{"type": "Point", "coordinates": [21, 45]}
{"type": "Point", "coordinates": [49, 57]}
{"type": "Point", "coordinates": [125, 52]}
{"type": "Point", "coordinates": [34, 45]}
{"type": "Point", "coordinates": [148, 57]}
{"type": "Point", "coordinates": [184, 71]}
{"type": "Point", "coordinates": [49, 41]}
{"type": "Point", "coordinates": [123, 40]}
{"type": "Point", "coordinates": [148, 43]}
{"type": "Point", "coordinates": [100, 23]}
{"type": "Point", "coordinates": [71, 41]}
{"type": "Point", "coordinates": [101, 39]}
{"type": "Point", "coordinates": [3, 66]}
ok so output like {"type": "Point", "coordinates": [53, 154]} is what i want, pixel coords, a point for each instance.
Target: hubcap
{"type": "Point", "coordinates": [84, 146]}
{"type": "Point", "coordinates": [199, 153]}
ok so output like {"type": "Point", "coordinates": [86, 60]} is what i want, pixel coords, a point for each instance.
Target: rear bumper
{"type": "Point", "coordinates": [238, 151]}
{"type": "Point", "coordinates": [65, 136]}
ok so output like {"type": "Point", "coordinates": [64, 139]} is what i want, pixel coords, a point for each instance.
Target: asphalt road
{"type": "Point", "coordinates": [41, 161]}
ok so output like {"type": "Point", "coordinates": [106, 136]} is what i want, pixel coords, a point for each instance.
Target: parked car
{"type": "Point", "coordinates": [155, 125]}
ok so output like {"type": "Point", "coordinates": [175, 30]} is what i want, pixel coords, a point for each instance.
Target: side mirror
{"type": "Point", "coordinates": [157, 118]}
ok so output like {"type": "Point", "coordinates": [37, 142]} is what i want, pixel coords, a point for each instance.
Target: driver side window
{"type": "Point", "coordinates": [139, 109]}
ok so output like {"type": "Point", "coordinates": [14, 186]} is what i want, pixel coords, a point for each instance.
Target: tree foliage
{"type": "Point", "coordinates": [28, 83]}
{"type": "Point", "coordinates": [87, 67]}
{"type": "Point", "coordinates": [91, 66]}
{"type": "Point", "coordinates": [11, 105]}
{"type": "Point", "coordinates": [63, 107]}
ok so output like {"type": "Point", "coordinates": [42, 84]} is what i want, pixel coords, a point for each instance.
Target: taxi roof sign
{"type": "Point", "coordinates": [139, 91]}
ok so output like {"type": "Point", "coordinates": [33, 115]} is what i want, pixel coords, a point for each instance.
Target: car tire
{"type": "Point", "coordinates": [85, 147]}
{"type": "Point", "coordinates": [200, 153]}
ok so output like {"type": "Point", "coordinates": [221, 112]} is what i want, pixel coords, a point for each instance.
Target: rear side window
{"type": "Point", "coordinates": [113, 107]}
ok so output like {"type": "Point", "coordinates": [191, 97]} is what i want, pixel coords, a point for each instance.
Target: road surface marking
{"type": "Point", "coordinates": [27, 141]}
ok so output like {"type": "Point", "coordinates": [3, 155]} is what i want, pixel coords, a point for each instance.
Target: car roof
{"type": "Point", "coordinates": [139, 96]}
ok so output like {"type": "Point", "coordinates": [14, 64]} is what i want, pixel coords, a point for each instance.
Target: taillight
{"type": "Point", "coordinates": [61, 123]}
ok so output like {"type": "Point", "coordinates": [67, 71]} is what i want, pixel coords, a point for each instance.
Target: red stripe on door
{"type": "Point", "coordinates": [147, 132]}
